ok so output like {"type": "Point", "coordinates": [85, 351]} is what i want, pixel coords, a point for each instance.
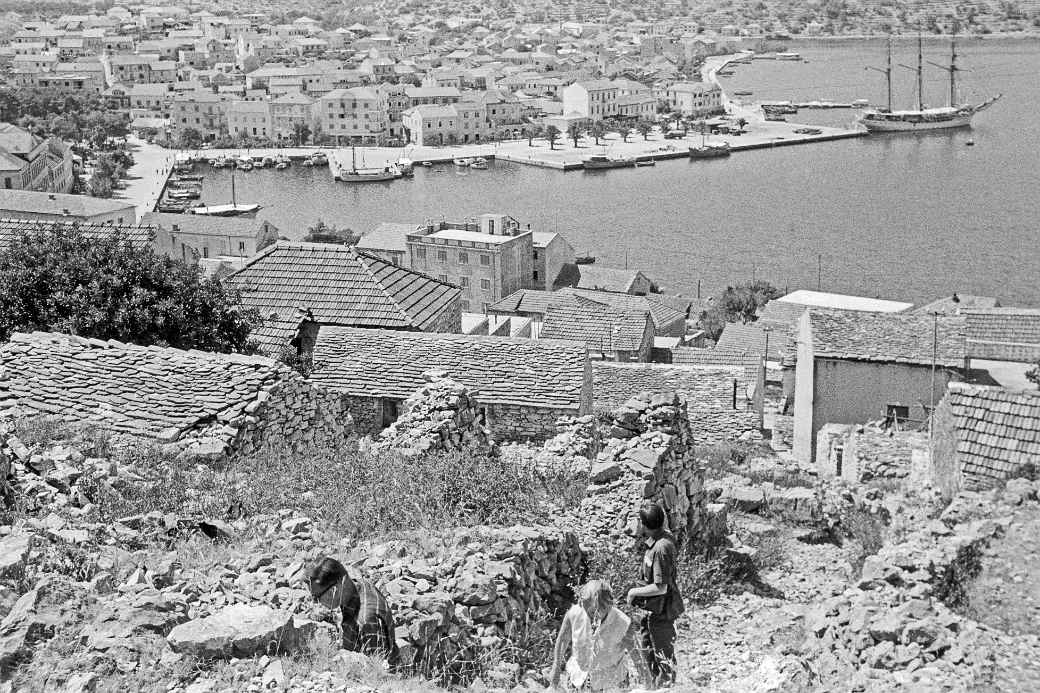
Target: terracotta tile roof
{"type": "Point", "coordinates": [340, 286]}
{"type": "Point", "coordinates": [388, 363]}
{"type": "Point", "coordinates": [534, 301]}
{"type": "Point", "coordinates": [996, 429]}
{"type": "Point", "coordinates": [1004, 334]}
{"type": "Point", "coordinates": [602, 328]}
{"type": "Point", "coordinates": [150, 391]}
{"type": "Point", "coordinates": [887, 337]}
{"type": "Point", "coordinates": [139, 236]}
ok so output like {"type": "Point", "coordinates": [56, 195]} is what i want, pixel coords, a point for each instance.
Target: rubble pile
{"type": "Point", "coordinates": [440, 416]}
{"type": "Point", "coordinates": [797, 504]}
{"type": "Point", "coordinates": [898, 628]}
{"type": "Point", "coordinates": [647, 455]}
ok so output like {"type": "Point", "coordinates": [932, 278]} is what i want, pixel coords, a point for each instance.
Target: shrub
{"type": "Point", "coordinates": [867, 530]}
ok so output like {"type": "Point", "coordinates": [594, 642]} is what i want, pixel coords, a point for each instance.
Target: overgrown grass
{"type": "Point", "coordinates": [88, 438]}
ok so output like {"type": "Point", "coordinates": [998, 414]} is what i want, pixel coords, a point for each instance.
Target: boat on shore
{"type": "Point", "coordinates": [602, 161]}
{"type": "Point", "coordinates": [953, 115]}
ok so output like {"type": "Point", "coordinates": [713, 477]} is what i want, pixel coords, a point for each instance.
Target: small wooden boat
{"type": "Point", "coordinates": [646, 162]}
{"type": "Point", "coordinates": [479, 163]}
{"type": "Point", "coordinates": [427, 164]}
{"type": "Point", "coordinates": [192, 194]}
{"type": "Point", "coordinates": [232, 210]}
{"type": "Point", "coordinates": [463, 163]}
{"type": "Point", "coordinates": [318, 159]}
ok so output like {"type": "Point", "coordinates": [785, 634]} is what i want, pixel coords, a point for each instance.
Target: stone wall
{"type": "Point", "coordinates": [706, 391]}
{"type": "Point", "coordinates": [367, 413]}
{"type": "Point", "coordinates": [450, 318]}
{"type": "Point", "coordinates": [440, 416]}
{"type": "Point", "coordinates": [290, 412]}
{"type": "Point", "coordinates": [517, 423]}
{"type": "Point", "coordinates": [647, 455]}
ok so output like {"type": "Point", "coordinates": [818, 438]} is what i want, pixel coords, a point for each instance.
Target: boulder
{"type": "Point", "coordinates": [605, 472]}
{"type": "Point", "coordinates": [14, 550]}
{"type": "Point", "coordinates": [746, 498]}
{"type": "Point", "coordinates": [235, 631]}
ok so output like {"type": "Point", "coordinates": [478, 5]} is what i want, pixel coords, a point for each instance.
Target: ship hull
{"type": "Point", "coordinates": [958, 121]}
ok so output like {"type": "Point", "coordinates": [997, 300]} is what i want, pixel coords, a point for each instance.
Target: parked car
{"type": "Point", "coordinates": [674, 135]}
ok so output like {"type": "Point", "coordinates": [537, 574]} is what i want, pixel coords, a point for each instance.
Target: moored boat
{"type": "Point", "coordinates": [646, 162]}
{"type": "Point", "coordinates": [479, 163]}
{"type": "Point", "coordinates": [710, 151]}
{"type": "Point", "coordinates": [244, 164]}
{"type": "Point", "coordinates": [318, 159]}
{"type": "Point", "coordinates": [601, 161]}
{"type": "Point", "coordinates": [407, 167]}
{"type": "Point", "coordinates": [463, 163]}
{"type": "Point", "coordinates": [788, 56]}
{"type": "Point", "coordinates": [231, 210]}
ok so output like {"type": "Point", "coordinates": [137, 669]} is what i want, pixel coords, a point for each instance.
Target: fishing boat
{"type": "Point", "coordinates": [709, 151]}
{"type": "Point", "coordinates": [283, 162]}
{"type": "Point", "coordinates": [367, 175]}
{"type": "Point", "coordinates": [781, 107]}
{"type": "Point", "coordinates": [407, 167]}
{"type": "Point", "coordinates": [186, 166]}
{"type": "Point", "coordinates": [479, 163]}
{"type": "Point", "coordinates": [601, 161]}
{"type": "Point", "coordinates": [170, 207]}
{"type": "Point", "coordinates": [646, 162]}
{"type": "Point", "coordinates": [267, 161]}
{"type": "Point", "coordinates": [184, 178]}
{"type": "Point", "coordinates": [584, 259]}
{"type": "Point", "coordinates": [953, 115]}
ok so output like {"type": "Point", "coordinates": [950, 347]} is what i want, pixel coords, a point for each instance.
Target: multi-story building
{"type": "Point", "coordinates": [694, 98]}
{"type": "Point", "coordinates": [141, 69]}
{"type": "Point", "coordinates": [596, 99]}
{"type": "Point", "coordinates": [150, 97]}
{"type": "Point", "coordinates": [202, 110]}
{"type": "Point", "coordinates": [287, 112]}
{"type": "Point", "coordinates": [28, 162]}
{"type": "Point", "coordinates": [488, 257]}
{"type": "Point", "coordinates": [397, 103]}
{"type": "Point", "coordinates": [353, 116]}
{"type": "Point", "coordinates": [419, 96]}
{"type": "Point", "coordinates": [251, 118]}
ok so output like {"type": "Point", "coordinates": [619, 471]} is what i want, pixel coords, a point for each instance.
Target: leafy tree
{"type": "Point", "coordinates": [645, 127]}
{"type": "Point", "coordinates": [325, 233]}
{"type": "Point", "coordinates": [574, 132]}
{"type": "Point", "coordinates": [1033, 374]}
{"type": "Point", "coordinates": [190, 138]}
{"type": "Point", "coordinates": [742, 123]}
{"type": "Point", "coordinates": [552, 133]}
{"type": "Point", "coordinates": [94, 285]}
{"type": "Point", "coordinates": [530, 132]}
{"type": "Point", "coordinates": [737, 304]}
{"type": "Point", "coordinates": [597, 130]}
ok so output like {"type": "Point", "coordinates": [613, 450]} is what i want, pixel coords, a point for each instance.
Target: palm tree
{"type": "Point", "coordinates": [552, 133]}
{"type": "Point", "coordinates": [742, 123]}
{"type": "Point", "coordinates": [574, 132]}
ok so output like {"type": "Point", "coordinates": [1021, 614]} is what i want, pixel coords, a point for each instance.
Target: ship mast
{"type": "Point", "coordinates": [920, 73]}
{"type": "Point", "coordinates": [952, 69]}
{"type": "Point", "coordinates": [887, 72]}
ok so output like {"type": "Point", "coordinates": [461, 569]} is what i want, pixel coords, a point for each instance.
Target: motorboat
{"type": "Point", "coordinates": [244, 164]}
{"type": "Point", "coordinates": [479, 163]}
{"type": "Point", "coordinates": [463, 163]}
{"type": "Point", "coordinates": [645, 162]}
{"type": "Point", "coordinates": [601, 161]}
{"type": "Point", "coordinates": [407, 167]}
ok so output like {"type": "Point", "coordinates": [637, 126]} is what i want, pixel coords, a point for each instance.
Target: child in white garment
{"type": "Point", "coordinates": [600, 639]}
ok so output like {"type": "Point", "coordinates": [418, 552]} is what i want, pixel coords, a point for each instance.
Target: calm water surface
{"type": "Point", "coordinates": [905, 217]}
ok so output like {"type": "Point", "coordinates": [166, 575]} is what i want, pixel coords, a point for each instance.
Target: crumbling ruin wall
{"type": "Point", "coordinates": [440, 416]}
{"type": "Point", "coordinates": [647, 455]}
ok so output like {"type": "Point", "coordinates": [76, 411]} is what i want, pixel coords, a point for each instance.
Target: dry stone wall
{"type": "Point", "coordinates": [514, 422]}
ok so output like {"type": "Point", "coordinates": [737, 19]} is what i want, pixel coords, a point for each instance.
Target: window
{"type": "Point", "coordinates": [242, 249]}
{"type": "Point", "coordinates": [420, 252]}
{"type": "Point", "coordinates": [491, 226]}
{"type": "Point", "coordinates": [485, 260]}
{"type": "Point", "coordinates": [464, 282]}
{"type": "Point", "coordinates": [443, 277]}
{"type": "Point", "coordinates": [896, 413]}
{"type": "Point", "coordinates": [205, 251]}
{"type": "Point", "coordinates": [442, 255]}
{"type": "Point", "coordinates": [485, 284]}
{"type": "Point", "coordinates": [536, 255]}
{"type": "Point", "coordinates": [536, 275]}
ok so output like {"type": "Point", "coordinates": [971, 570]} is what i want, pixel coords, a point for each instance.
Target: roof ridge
{"type": "Point", "coordinates": [361, 260]}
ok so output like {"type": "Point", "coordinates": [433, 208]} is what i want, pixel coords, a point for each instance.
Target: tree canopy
{"type": "Point", "coordinates": [100, 285]}
{"type": "Point", "coordinates": [737, 304]}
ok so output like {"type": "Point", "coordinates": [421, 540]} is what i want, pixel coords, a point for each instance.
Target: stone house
{"type": "Point", "coordinates": [697, 99]}
{"type": "Point", "coordinates": [28, 162]}
{"type": "Point", "coordinates": [610, 333]}
{"type": "Point", "coordinates": [354, 116]}
{"type": "Point", "coordinates": [982, 435]}
{"type": "Point", "coordinates": [854, 366]}
{"type": "Point", "coordinates": [668, 320]}
{"type": "Point", "coordinates": [488, 257]}
{"type": "Point", "coordinates": [188, 235]}
{"type": "Point", "coordinates": [524, 386]}
{"type": "Point", "coordinates": [200, 110]}
{"type": "Point", "coordinates": [339, 285]}
{"type": "Point", "coordinates": [551, 253]}
{"type": "Point", "coordinates": [289, 111]}
{"type": "Point", "coordinates": [723, 402]}
{"type": "Point", "coordinates": [251, 118]}
{"type": "Point", "coordinates": [217, 406]}
{"type": "Point", "coordinates": [621, 281]}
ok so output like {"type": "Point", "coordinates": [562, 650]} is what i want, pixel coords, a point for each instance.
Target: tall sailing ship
{"type": "Point", "coordinates": [953, 115]}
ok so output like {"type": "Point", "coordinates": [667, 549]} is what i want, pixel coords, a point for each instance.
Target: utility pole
{"type": "Point", "coordinates": [698, 288]}
{"type": "Point", "coordinates": [819, 271]}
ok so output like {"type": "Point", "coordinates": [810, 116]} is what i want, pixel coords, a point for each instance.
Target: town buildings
{"type": "Point", "coordinates": [28, 162]}
{"type": "Point", "coordinates": [188, 236]}
{"type": "Point", "coordinates": [697, 99]}
{"type": "Point", "coordinates": [43, 206]}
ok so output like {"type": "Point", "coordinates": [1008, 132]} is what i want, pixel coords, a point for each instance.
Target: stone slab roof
{"type": "Point", "coordinates": [601, 327]}
{"type": "Point", "coordinates": [340, 286]}
{"type": "Point", "coordinates": [606, 278]}
{"type": "Point", "coordinates": [387, 236]}
{"type": "Point", "coordinates": [139, 236]}
{"type": "Point", "coordinates": [702, 387]}
{"type": "Point", "coordinates": [153, 392]}
{"type": "Point", "coordinates": [997, 430]}
{"type": "Point", "coordinates": [887, 337]}
{"type": "Point", "coordinates": [713, 356]}
{"type": "Point", "coordinates": [751, 338]}
{"type": "Point", "coordinates": [535, 301]}
{"type": "Point", "coordinates": [501, 370]}
{"type": "Point", "coordinates": [1004, 334]}
{"type": "Point", "coordinates": [958, 304]}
